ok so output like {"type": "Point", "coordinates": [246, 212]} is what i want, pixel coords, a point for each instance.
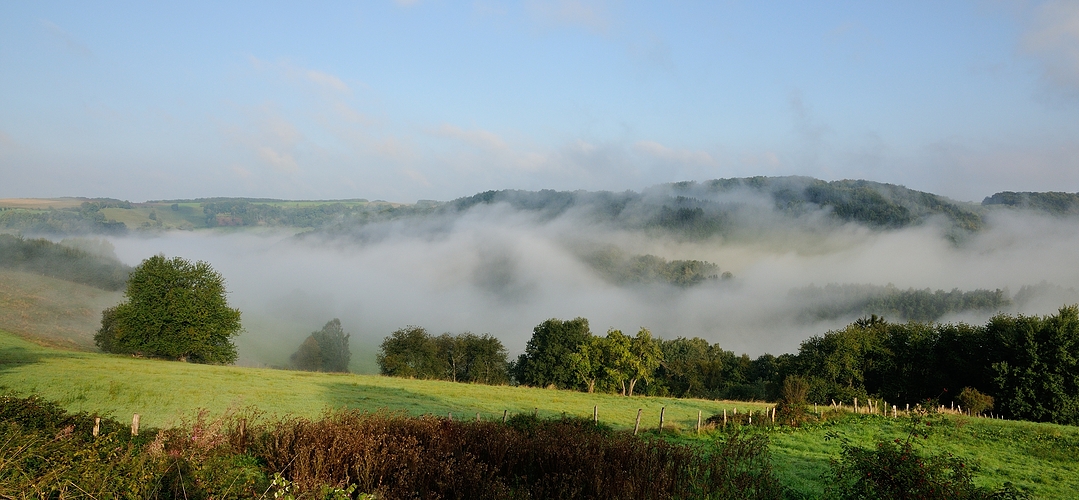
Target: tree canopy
{"type": "Point", "coordinates": [467, 357]}
{"type": "Point", "coordinates": [325, 350]}
{"type": "Point", "coordinates": [173, 309]}
{"type": "Point", "coordinates": [547, 357]}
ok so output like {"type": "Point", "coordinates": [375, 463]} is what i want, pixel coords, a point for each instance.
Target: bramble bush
{"type": "Point", "coordinates": [352, 454]}
{"type": "Point", "coordinates": [896, 469]}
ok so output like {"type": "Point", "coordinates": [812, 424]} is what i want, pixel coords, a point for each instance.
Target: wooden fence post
{"type": "Point", "coordinates": [698, 422]}
{"type": "Point", "coordinates": [135, 425]}
{"type": "Point", "coordinates": [855, 405]}
{"type": "Point", "coordinates": [637, 425]}
{"type": "Point", "coordinates": [535, 412]}
{"type": "Point", "coordinates": [773, 416]}
{"type": "Point", "coordinates": [504, 413]}
{"type": "Point", "coordinates": [894, 412]}
{"type": "Point", "coordinates": [97, 426]}
{"type": "Point", "coordinates": [595, 414]}
{"type": "Point", "coordinates": [662, 409]}
{"type": "Point", "coordinates": [724, 418]}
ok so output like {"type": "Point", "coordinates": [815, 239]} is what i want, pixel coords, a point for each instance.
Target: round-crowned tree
{"type": "Point", "coordinates": [173, 309]}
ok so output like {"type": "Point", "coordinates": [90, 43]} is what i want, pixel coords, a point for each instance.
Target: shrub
{"type": "Point", "coordinates": [397, 456]}
{"type": "Point", "coordinates": [895, 469]}
{"type": "Point", "coordinates": [974, 401]}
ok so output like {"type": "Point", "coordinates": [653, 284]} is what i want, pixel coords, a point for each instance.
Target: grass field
{"type": "Point", "coordinates": [50, 310]}
{"type": "Point", "coordinates": [1037, 457]}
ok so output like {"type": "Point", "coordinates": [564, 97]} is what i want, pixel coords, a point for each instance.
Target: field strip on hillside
{"type": "Point", "coordinates": [163, 392]}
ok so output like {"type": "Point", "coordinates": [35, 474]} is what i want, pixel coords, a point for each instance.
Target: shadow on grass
{"type": "Point", "coordinates": [372, 398]}
{"type": "Point", "coordinates": [12, 357]}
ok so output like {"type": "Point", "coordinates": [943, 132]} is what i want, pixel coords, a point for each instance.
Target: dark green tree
{"type": "Point", "coordinates": [325, 350]}
{"type": "Point", "coordinates": [1038, 374]}
{"type": "Point", "coordinates": [485, 359]}
{"type": "Point", "coordinates": [173, 309]}
{"type": "Point", "coordinates": [409, 352]}
{"type": "Point", "coordinates": [333, 345]}
{"type": "Point", "coordinates": [308, 357]}
{"type": "Point", "coordinates": [546, 360]}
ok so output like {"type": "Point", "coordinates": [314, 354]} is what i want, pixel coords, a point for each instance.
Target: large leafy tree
{"type": "Point", "coordinates": [410, 352]}
{"type": "Point", "coordinates": [1038, 377]}
{"type": "Point", "coordinates": [546, 360]}
{"type": "Point", "coordinates": [173, 309]}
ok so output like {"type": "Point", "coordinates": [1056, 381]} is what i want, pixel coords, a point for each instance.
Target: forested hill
{"type": "Point", "coordinates": [687, 210]}
{"type": "Point", "coordinates": [1055, 203]}
{"type": "Point", "coordinates": [712, 207]}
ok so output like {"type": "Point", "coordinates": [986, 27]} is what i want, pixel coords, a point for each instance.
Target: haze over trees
{"type": "Point", "coordinates": [100, 269]}
{"type": "Point", "coordinates": [172, 309]}
{"type": "Point", "coordinates": [325, 350]}
{"type": "Point", "coordinates": [687, 210]}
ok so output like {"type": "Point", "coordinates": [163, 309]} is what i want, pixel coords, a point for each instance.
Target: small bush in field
{"type": "Point", "coordinates": [895, 469]}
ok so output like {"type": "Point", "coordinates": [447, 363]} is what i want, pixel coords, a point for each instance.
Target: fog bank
{"type": "Point", "coordinates": [501, 271]}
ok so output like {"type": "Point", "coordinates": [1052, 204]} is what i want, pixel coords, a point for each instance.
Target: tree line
{"type": "Point", "coordinates": [467, 357]}
{"type": "Point", "coordinates": [1021, 367]}
{"type": "Point", "coordinates": [836, 301]}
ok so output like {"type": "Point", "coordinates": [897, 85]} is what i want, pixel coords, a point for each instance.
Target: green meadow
{"type": "Point", "coordinates": [1039, 458]}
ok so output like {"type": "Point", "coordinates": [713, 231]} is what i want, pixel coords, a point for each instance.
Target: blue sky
{"type": "Point", "coordinates": [428, 99]}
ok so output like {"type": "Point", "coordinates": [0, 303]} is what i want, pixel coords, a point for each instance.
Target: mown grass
{"type": "Point", "coordinates": [1038, 458]}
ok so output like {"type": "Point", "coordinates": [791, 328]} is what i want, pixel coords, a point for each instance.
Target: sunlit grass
{"type": "Point", "coordinates": [1040, 458]}
{"type": "Point", "coordinates": [163, 391]}
{"type": "Point", "coordinates": [1037, 457]}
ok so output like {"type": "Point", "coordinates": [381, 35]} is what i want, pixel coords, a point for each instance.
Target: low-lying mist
{"type": "Point", "coordinates": [498, 270]}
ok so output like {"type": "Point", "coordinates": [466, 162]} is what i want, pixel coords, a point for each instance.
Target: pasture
{"type": "Point", "coordinates": [1036, 457]}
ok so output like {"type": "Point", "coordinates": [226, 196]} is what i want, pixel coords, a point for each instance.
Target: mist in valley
{"type": "Point", "coordinates": [492, 268]}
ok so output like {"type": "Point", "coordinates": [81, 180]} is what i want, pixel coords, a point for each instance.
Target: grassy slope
{"type": "Point", "coordinates": [51, 310]}
{"type": "Point", "coordinates": [163, 391]}
{"type": "Point", "coordinates": [1038, 457]}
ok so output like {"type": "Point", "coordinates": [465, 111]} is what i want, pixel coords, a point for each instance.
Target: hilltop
{"type": "Point", "coordinates": [690, 210]}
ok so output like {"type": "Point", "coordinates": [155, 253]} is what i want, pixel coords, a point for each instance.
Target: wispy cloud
{"type": "Point", "coordinates": [66, 40]}
{"type": "Point", "coordinates": [682, 156]}
{"type": "Point", "coordinates": [492, 151]}
{"type": "Point", "coordinates": [271, 138]}
{"type": "Point", "coordinates": [287, 69]}
{"type": "Point", "coordinates": [592, 15]}
{"type": "Point", "coordinates": [1052, 36]}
